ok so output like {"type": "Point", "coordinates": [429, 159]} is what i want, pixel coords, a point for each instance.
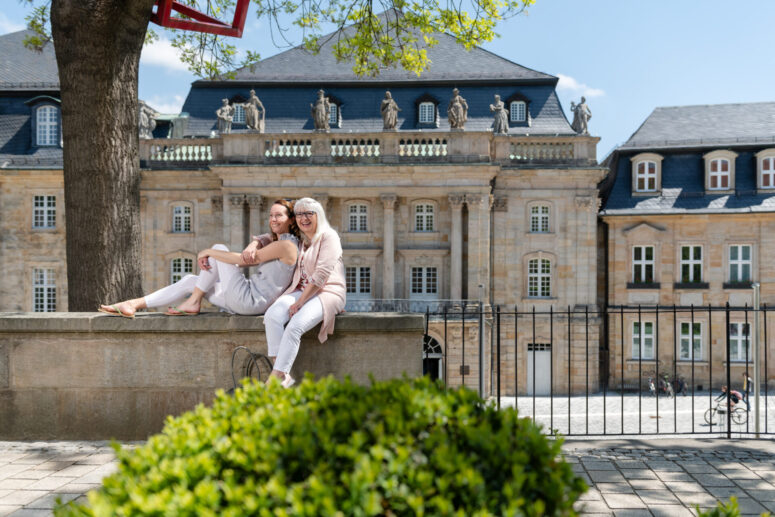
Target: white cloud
{"type": "Point", "coordinates": [166, 103]}
{"type": "Point", "coordinates": [161, 53]}
{"type": "Point", "coordinates": [7, 25]}
{"type": "Point", "coordinates": [572, 86]}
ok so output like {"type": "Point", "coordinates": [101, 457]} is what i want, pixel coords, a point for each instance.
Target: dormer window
{"type": "Point", "coordinates": [517, 111]}
{"type": "Point", "coordinates": [47, 125]}
{"type": "Point", "coordinates": [766, 161]}
{"type": "Point", "coordinates": [239, 114]}
{"type": "Point", "coordinates": [720, 170]}
{"type": "Point", "coordinates": [427, 113]}
{"type": "Point", "coordinates": [646, 173]}
{"type": "Point", "coordinates": [333, 115]}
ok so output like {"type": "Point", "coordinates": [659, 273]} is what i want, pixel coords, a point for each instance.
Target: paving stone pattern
{"type": "Point", "coordinates": [626, 479]}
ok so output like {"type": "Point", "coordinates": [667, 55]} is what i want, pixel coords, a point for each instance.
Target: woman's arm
{"type": "Point", "coordinates": [258, 242]}
{"type": "Point", "coordinates": [285, 251]}
{"type": "Point", "coordinates": [329, 255]}
{"type": "Point", "coordinates": [308, 292]}
{"type": "Point", "coordinates": [228, 257]}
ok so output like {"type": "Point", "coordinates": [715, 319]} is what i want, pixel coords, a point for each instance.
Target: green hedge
{"type": "Point", "coordinates": [335, 448]}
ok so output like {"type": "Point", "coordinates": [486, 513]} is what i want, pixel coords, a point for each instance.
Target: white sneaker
{"type": "Point", "coordinates": [288, 381]}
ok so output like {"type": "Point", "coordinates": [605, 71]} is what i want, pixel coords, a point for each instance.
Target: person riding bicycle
{"type": "Point", "coordinates": [734, 397]}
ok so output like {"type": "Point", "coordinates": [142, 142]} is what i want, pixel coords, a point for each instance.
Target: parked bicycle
{"type": "Point", "coordinates": [714, 415]}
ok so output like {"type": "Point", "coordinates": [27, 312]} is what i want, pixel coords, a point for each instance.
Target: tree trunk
{"type": "Point", "coordinates": [98, 45]}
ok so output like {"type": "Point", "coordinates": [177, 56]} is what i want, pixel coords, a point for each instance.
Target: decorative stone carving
{"type": "Point", "coordinates": [225, 116]}
{"type": "Point", "coordinates": [500, 125]}
{"type": "Point", "coordinates": [238, 200]}
{"type": "Point", "coordinates": [456, 201]}
{"type": "Point", "coordinates": [584, 202]}
{"type": "Point", "coordinates": [147, 120]}
{"type": "Point", "coordinates": [389, 110]}
{"type": "Point", "coordinates": [217, 202]}
{"type": "Point", "coordinates": [321, 111]}
{"type": "Point", "coordinates": [254, 113]}
{"type": "Point", "coordinates": [388, 200]}
{"type": "Point", "coordinates": [581, 116]}
{"type": "Point", "coordinates": [500, 204]}
{"type": "Point", "coordinates": [255, 202]}
{"type": "Point", "coordinates": [474, 199]}
{"type": "Point", "coordinates": [457, 111]}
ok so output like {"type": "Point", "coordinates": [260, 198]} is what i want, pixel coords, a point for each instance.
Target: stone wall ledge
{"type": "Point", "coordinates": [206, 322]}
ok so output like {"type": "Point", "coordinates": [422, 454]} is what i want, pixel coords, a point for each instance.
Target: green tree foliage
{"type": "Point", "coordinates": [335, 448]}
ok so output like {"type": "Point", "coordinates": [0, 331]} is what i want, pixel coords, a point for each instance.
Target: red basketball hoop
{"type": "Point", "coordinates": [198, 21]}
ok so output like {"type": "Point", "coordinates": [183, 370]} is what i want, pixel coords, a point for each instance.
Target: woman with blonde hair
{"type": "Point", "coordinates": [317, 292]}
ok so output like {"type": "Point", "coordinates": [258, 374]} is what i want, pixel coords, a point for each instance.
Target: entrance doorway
{"type": "Point", "coordinates": [432, 358]}
{"type": "Point", "coordinates": [539, 355]}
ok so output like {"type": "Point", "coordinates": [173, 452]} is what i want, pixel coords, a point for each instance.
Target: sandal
{"type": "Point", "coordinates": [115, 312]}
{"type": "Point", "coordinates": [175, 311]}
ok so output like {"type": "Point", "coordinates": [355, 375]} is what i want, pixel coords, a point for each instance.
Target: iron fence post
{"type": "Point", "coordinates": [756, 311]}
{"type": "Point", "coordinates": [729, 377]}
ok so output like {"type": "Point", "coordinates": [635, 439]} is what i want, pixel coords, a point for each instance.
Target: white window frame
{"type": "Point", "coordinates": [648, 175]}
{"type": "Point", "coordinates": [539, 218]}
{"type": "Point", "coordinates": [641, 338]}
{"type": "Point", "coordinates": [424, 217]}
{"type": "Point", "coordinates": [719, 174]}
{"type": "Point", "coordinates": [737, 265]}
{"type": "Point", "coordinates": [690, 263]}
{"type": "Point", "coordinates": [739, 339]}
{"type": "Point", "coordinates": [640, 265]}
{"type": "Point", "coordinates": [358, 281]}
{"type": "Point", "coordinates": [539, 278]}
{"type": "Point", "coordinates": [517, 111]}
{"type": "Point", "coordinates": [47, 126]}
{"type": "Point", "coordinates": [426, 113]}
{"type": "Point", "coordinates": [182, 218]}
{"type": "Point", "coordinates": [766, 158]}
{"type": "Point", "coordinates": [423, 283]}
{"type": "Point", "coordinates": [239, 114]}
{"type": "Point", "coordinates": [333, 114]}
{"type": "Point", "coordinates": [716, 157]}
{"type": "Point", "coordinates": [44, 212]}
{"type": "Point", "coordinates": [44, 290]}
{"type": "Point", "coordinates": [689, 334]}
{"type": "Point", "coordinates": [358, 217]}
{"type": "Point", "coordinates": [180, 267]}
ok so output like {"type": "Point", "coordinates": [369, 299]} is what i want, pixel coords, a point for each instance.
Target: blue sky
{"type": "Point", "coordinates": [627, 57]}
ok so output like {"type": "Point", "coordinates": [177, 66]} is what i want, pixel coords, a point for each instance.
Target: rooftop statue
{"type": "Point", "coordinates": [321, 112]}
{"type": "Point", "coordinates": [500, 125]}
{"type": "Point", "coordinates": [389, 110]}
{"type": "Point", "coordinates": [581, 116]}
{"type": "Point", "coordinates": [457, 111]}
{"type": "Point", "coordinates": [147, 122]}
{"type": "Point", "coordinates": [254, 113]}
{"type": "Point", "coordinates": [225, 116]}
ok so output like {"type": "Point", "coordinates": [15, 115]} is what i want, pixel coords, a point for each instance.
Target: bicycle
{"type": "Point", "coordinates": [714, 415]}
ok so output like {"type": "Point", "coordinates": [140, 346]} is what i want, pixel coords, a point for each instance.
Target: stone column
{"type": "Point", "coordinates": [256, 224]}
{"type": "Point", "coordinates": [456, 247]}
{"type": "Point", "coordinates": [236, 222]}
{"type": "Point", "coordinates": [388, 246]}
{"type": "Point", "coordinates": [478, 245]}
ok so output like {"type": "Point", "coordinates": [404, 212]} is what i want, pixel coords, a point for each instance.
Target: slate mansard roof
{"type": "Point", "coordinates": [24, 69]}
{"type": "Point", "coordinates": [682, 135]}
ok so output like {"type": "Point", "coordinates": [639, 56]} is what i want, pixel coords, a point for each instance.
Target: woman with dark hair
{"type": "Point", "coordinates": [220, 280]}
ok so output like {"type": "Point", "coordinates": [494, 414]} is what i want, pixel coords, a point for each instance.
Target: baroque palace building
{"type": "Point", "coordinates": [430, 215]}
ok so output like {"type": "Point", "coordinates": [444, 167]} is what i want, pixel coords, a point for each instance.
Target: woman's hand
{"type": "Point", "coordinates": [249, 253]}
{"type": "Point", "coordinates": [203, 259]}
{"type": "Point", "coordinates": [295, 307]}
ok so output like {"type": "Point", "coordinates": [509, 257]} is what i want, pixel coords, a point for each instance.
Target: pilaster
{"type": "Point", "coordinates": [456, 246]}
{"type": "Point", "coordinates": [388, 250]}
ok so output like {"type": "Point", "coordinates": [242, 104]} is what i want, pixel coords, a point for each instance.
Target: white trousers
{"type": "Point", "coordinates": [283, 343]}
{"type": "Point", "coordinates": [213, 282]}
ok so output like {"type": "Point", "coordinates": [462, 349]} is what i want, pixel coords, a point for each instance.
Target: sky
{"type": "Point", "coordinates": [626, 57]}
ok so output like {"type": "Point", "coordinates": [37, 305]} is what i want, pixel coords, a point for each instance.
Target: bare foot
{"type": "Point", "coordinates": [189, 306]}
{"type": "Point", "coordinates": [126, 308]}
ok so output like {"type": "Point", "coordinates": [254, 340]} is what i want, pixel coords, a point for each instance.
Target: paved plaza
{"type": "Point", "coordinates": [627, 478]}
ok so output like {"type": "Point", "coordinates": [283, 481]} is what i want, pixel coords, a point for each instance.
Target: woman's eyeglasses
{"type": "Point", "coordinates": [306, 215]}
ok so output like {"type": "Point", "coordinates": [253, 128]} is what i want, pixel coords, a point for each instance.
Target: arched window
{"type": "Point", "coordinates": [426, 113]}
{"type": "Point", "coordinates": [539, 278]}
{"type": "Point", "coordinates": [517, 111]}
{"type": "Point", "coordinates": [432, 357]}
{"type": "Point", "coordinates": [180, 267]}
{"type": "Point", "coordinates": [47, 125]}
{"type": "Point", "coordinates": [423, 217]}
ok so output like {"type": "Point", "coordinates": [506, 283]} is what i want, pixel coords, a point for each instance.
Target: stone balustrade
{"type": "Point", "coordinates": [88, 376]}
{"type": "Point", "coordinates": [377, 147]}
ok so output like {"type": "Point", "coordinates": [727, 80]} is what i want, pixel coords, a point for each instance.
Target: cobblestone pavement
{"type": "Point", "coordinates": [627, 478]}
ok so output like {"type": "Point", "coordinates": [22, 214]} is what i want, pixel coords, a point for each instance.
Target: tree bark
{"type": "Point", "coordinates": [98, 45]}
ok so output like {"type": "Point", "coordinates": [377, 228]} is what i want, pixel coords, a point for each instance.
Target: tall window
{"type": "Point", "coordinates": [427, 113]}
{"type": "Point", "coordinates": [44, 290]}
{"type": "Point", "coordinates": [180, 267]}
{"type": "Point", "coordinates": [358, 280]}
{"type": "Point", "coordinates": [239, 114]}
{"type": "Point", "coordinates": [740, 342]}
{"type": "Point", "coordinates": [539, 219]}
{"type": "Point", "coordinates": [768, 172]}
{"type": "Point", "coordinates": [691, 264]}
{"type": "Point", "coordinates": [719, 174]}
{"type": "Point", "coordinates": [739, 263]}
{"type": "Point", "coordinates": [424, 281]}
{"type": "Point", "coordinates": [44, 211]}
{"type": "Point", "coordinates": [517, 111]}
{"type": "Point", "coordinates": [358, 218]}
{"type": "Point", "coordinates": [181, 219]}
{"type": "Point", "coordinates": [643, 340]}
{"type": "Point", "coordinates": [423, 217]}
{"type": "Point", "coordinates": [47, 124]}
{"type": "Point", "coordinates": [646, 177]}
{"type": "Point", "coordinates": [333, 114]}
{"type": "Point", "coordinates": [691, 333]}
{"type": "Point", "coordinates": [643, 264]}
{"type": "Point", "coordinates": [539, 278]}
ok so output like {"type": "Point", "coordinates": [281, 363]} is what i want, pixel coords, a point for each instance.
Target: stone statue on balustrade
{"type": "Point", "coordinates": [147, 120]}
{"type": "Point", "coordinates": [500, 125]}
{"type": "Point", "coordinates": [321, 111]}
{"type": "Point", "coordinates": [225, 116]}
{"type": "Point", "coordinates": [581, 116]}
{"type": "Point", "coordinates": [254, 113]}
{"type": "Point", "coordinates": [457, 111]}
{"type": "Point", "coordinates": [389, 110]}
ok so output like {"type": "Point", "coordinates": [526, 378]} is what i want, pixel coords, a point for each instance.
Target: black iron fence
{"type": "Point", "coordinates": [623, 370]}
